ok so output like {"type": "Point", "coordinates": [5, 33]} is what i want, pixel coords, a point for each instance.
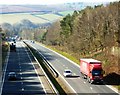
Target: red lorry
{"type": "Point", "coordinates": [91, 69]}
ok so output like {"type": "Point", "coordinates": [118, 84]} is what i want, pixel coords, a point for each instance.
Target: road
{"type": "Point", "coordinates": [29, 81]}
{"type": "Point", "coordinates": [78, 84]}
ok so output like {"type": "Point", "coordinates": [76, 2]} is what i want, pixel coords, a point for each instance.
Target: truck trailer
{"type": "Point", "coordinates": [91, 70]}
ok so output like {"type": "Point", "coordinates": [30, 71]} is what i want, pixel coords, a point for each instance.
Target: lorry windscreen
{"type": "Point", "coordinates": [96, 72]}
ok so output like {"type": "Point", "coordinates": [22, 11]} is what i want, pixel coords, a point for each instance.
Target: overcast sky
{"type": "Point", "coordinates": [9, 2]}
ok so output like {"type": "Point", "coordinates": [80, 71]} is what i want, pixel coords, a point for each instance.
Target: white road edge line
{"type": "Point", "coordinates": [45, 74]}
{"type": "Point", "coordinates": [109, 86]}
{"type": "Point", "coordinates": [34, 68]}
{"type": "Point", "coordinates": [6, 62]}
{"type": "Point", "coordinates": [114, 89]}
{"type": "Point", "coordinates": [57, 72]}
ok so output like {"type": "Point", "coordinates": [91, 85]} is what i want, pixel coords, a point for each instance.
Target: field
{"type": "Point", "coordinates": [49, 17]}
{"type": "Point", "coordinates": [64, 13]}
{"type": "Point", "coordinates": [13, 18]}
{"type": "Point", "coordinates": [36, 18]}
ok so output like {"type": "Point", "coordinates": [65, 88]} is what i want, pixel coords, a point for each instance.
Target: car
{"type": "Point", "coordinates": [32, 41]}
{"type": "Point", "coordinates": [13, 47]}
{"type": "Point", "coordinates": [12, 76]}
{"type": "Point", "coordinates": [67, 73]}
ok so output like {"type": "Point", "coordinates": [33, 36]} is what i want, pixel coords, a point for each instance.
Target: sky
{"type": "Point", "coordinates": [47, 2]}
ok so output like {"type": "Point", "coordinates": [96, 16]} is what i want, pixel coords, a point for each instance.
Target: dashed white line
{"type": "Point", "coordinates": [23, 89]}
{"type": "Point", "coordinates": [84, 82]}
{"type": "Point", "coordinates": [74, 74]}
{"type": "Point", "coordinates": [91, 88]}
{"type": "Point", "coordinates": [20, 73]}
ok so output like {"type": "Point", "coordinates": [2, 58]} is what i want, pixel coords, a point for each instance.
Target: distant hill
{"type": "Point", "coordinates": [6, 9]}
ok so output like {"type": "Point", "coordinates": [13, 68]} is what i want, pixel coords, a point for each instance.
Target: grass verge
{"type": "Point", "coordinates": [65, 54]}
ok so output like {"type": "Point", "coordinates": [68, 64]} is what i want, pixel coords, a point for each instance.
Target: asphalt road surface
{"type": "Point", "coordinates": [28, 82]}
{"type": "Point", "coordinates": [78, 84]}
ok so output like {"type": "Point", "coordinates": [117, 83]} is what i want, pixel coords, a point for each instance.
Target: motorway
{"type": "Point", "coordinates": [78, 84]}
{"type": "Point", "coordinates": [29, 81]}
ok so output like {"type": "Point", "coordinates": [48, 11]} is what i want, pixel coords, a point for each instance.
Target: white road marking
{"type": "Point", "coordinates": [6, 61]}
{"type": "Point", "coordinates": [74, 74]}
{"type": "Point", "coordinates": [20, 73]}
{"type": "Point", "coordinates": [91, 88]}
{"type": "Point", "coordinates": [58, 72]}
{"type": "Point", "coordinates": [84, 82]}
{"type": "Point", "coordinates": [34, 69]}
{"type": "Point", "coordinates": [22, 89]}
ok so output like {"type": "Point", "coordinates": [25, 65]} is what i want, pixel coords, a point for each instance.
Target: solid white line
{"type": "Point", "coordinates": [58, 72]}
{"type": "Point", "coordinates": [114, 89]}
{"type": "Point", "coordinates": [35, 69]}
{"type": "Point", "coordinates": [60, 55]}
{"type": "Point", "coordinates": [4, 73]}
{"type": "Point", "coordinates": [109, 86]}
{"type": "Point", "coordinates": [56, 92]}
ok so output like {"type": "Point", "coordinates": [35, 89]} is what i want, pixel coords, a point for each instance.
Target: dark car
{"type": "Point", "coordinates": [13, 47]}
{"type": "Point", "coordinates": [12, 76]}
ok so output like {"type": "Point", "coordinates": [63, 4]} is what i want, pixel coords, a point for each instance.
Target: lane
{"type": "Point", "coordinates": [77, 83]}
{"type": "Point", "coordinates": [27, 81]}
